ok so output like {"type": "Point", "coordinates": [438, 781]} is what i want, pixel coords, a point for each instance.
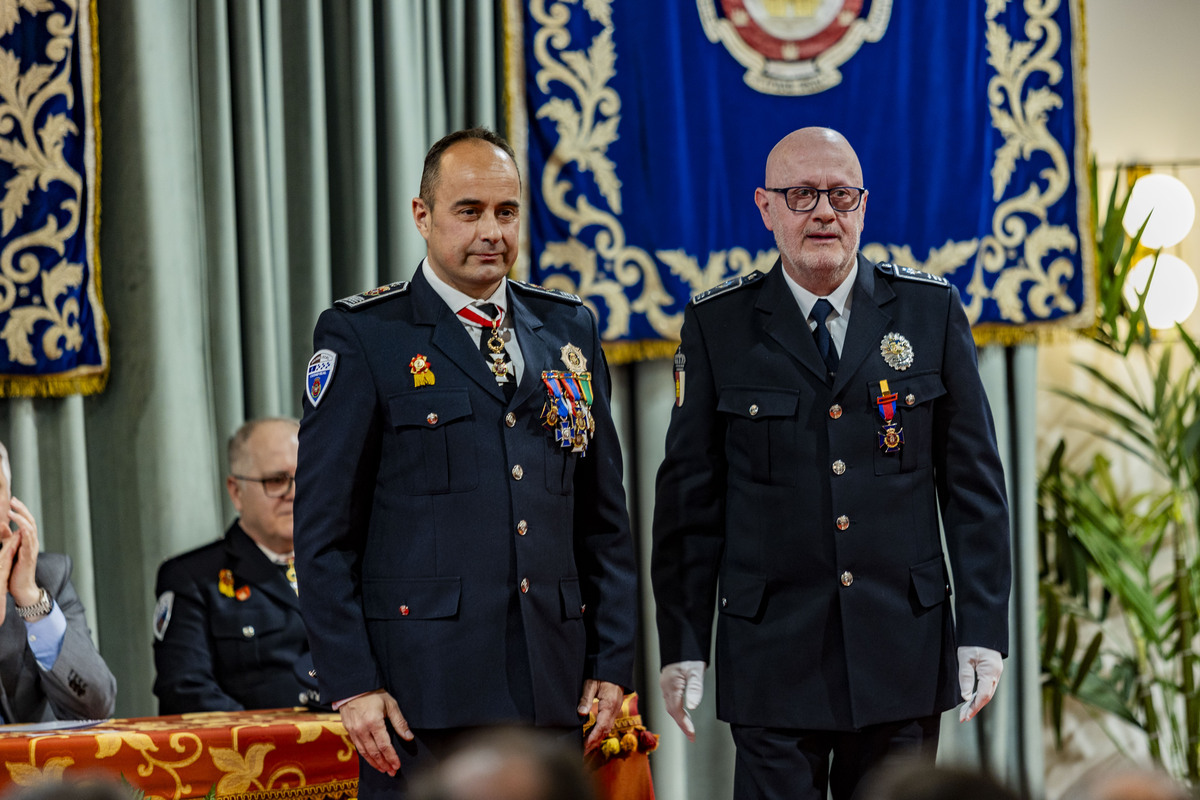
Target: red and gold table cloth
{"type": "Point", "coordinates": [284, 754]}
{"type": "Point", "coordinates": [256, 754]}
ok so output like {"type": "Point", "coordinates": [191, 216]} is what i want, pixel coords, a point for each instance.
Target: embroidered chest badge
{"type": "Point", "coordinates": [422, 374]}
{"type": "Point", "coordinates": [897, 351]}
{"type": "Point", "coordinates": [225, 586]}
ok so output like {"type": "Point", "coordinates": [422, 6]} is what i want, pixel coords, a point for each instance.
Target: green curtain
{"type": "Point", "coordinates": [259, 160]}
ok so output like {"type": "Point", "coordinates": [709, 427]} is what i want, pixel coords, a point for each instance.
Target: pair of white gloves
{"type": "Point", "coordinates": [979, 669]}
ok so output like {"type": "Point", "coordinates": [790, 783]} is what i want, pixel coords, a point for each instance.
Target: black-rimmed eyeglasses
{"type": "Point", "coordinates": [272, 485]}
{"type": "Point", "coordinates": [805, 198]}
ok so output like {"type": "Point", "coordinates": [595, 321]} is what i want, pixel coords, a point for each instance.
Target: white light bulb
{"type": "Point", "coordinates": [1173, 294]}
{"type": "Point", "coordinates": [1173, 207]}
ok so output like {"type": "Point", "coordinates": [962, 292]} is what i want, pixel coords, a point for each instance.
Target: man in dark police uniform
{"type": "Point", "coordinates": [461, 524]}
{"type": "Point", "coordinates": [227, 627]}
{"type": "Point", "coordinates": [826, 413]}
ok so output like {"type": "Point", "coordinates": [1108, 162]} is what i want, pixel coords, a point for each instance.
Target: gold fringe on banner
{"type": "Point", "coordinates": [646, 350]}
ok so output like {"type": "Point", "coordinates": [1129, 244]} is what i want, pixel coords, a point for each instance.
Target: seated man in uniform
{"type": "Point", "coordinates": [227, 627]}
{"type": "Point", "coordinates": [49, 667]}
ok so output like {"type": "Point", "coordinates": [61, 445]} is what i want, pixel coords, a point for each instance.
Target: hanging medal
{"type": "Point", "coordinates": [891, 435]}
{"type": "Point", "coordinates": [495, 346]}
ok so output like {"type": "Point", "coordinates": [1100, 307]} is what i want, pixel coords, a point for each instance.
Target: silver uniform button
{"type": "Point", "coordinates": [847, 578]}
{"type": "Point", "coordinates": [839, 467]}
{"type": "Point", "coordinates": [518, 472]}
{"type": "Point", "coordinates": [510, 419]}
{"type": "Point", "coordinates": [724, 602]}
{"type": "Point", "coordinates": [910, 398]}
{"type": "Point", "coordinates": [843, 522]}
{"type": "Point", "coordinates": [753, 409]}
{"type": "Point", "coordinates": [432, 418]}
{"type": "Point", "coordinates": [524, 585]}
{"type": "Point", "coordinates": [835, 411]}
{"type": "Point", "coordinates": [522, 527]}
{"type": "Point", "coordinates": [248, 631]}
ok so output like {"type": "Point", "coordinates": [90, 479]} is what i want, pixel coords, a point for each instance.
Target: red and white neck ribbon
{"type": "Point", "coordinates": [478, 317]}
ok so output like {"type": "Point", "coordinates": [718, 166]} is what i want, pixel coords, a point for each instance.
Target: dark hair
{"type": "Point", "coordinates": [432, 173]}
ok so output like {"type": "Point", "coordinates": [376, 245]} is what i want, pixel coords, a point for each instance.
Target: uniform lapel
{"type": "Point", "coordinates": [869, 320]}
{"type": "Point", "coordinates": [250, 564]}
{"type": "Point", "coordinates": [786, 325]}
{"type": "Point", "coordinates": [449, 336]}
{"type": "Point", "coordinates": [536, 351]}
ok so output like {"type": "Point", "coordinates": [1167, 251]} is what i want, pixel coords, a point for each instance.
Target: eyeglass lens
{"type": "Point", "coordinates": [277, 485]}
{"type": "Point", "coordinates": [805, 198]}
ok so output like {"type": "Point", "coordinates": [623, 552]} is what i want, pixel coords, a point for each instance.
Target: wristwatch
{"type": "Point", "coordinates": [39, 609]}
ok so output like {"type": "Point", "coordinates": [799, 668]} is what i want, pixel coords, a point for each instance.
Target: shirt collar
{"type": "Point", "coordinates": [275, 558]}
{"type": "Point", "coordinates": [839, 298]}
{"type": "Point", "coordinates": [458, 300]}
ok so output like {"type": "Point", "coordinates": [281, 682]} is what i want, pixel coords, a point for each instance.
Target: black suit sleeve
{"type": "Point", "coordinates": [689, 509]}
{"type": "Point", "coordinates": [971, 492]}
{"type": "Point", "coordinates": [335, 477]}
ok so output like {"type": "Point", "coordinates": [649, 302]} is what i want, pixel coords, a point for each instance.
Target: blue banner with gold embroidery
{"type": "Point", "coordinates": [646, 127]}
{"type": "Point", "coordinates": [53, 332]}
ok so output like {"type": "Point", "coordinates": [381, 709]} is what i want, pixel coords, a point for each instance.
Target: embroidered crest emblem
{"type": "Point", "coordinates": [422, 374]}
{"type": "Point", "coordinates": [162, 614]}
{"type": "Point", "coordinates": [896, 351]}
{"type": "Point", "coordinates": [793, 47]}
{"type": "Point", "coordinates": [319, 375]}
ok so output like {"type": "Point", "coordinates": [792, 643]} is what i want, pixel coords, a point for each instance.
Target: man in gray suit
{"type": "Point", "coordinates": [49, 668]}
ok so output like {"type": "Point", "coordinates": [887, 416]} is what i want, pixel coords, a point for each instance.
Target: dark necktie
{"type": "Point", "coordinates": [820, 310]}
{"type": "Point", "coordinates": [491, 345]}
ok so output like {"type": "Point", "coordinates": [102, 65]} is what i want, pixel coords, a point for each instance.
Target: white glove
{"type": "Point", "coordinates": [682, 683]}
{"type": "Point", "coordinates": [982, 664]}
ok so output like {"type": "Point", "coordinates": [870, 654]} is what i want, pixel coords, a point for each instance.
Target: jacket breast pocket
{"type": "Point", "coordinates": [412, 598]}
{"type": "Point", "coordinates": [435, 430]}
{"type": "Point", "coordinates": [760, 423]}
{"type": "Point", "coordinates": [560, 467]}
{"type": "Point", "coordinates": [915, 398]}
{"type": "Point", "coordinates": [237, 636]}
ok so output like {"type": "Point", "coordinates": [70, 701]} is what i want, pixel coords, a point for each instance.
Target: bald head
{"type": "Point", "coordinates": [809, 144]}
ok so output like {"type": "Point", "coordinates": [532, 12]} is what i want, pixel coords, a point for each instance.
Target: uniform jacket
{"type": "Point", "coordinates": [79, 686]}
{"type": "Point", "coordinates": [833, 600]}
{"type": "Point", "coordinates": [215, 652]}
{"type": "Point", "coordinates": [452, 552]}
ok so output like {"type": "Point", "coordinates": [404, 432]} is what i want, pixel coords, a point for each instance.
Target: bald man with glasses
{"type": "Point", "coordinates": [227, 627]}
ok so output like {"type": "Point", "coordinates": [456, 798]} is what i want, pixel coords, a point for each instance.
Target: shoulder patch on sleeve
{"type": "Point", "coordinates": [162, 614]}
{"type": "Point", "coordinates": [727, 286]}
{"type": "Point", "coordinates": [542, 291]}
{"type": "Point", "coordinates": [319, 375]}
{"type": "Point", "coordinates": [356, 302]}
{"type": "Point", "coordinates": [910, 274]}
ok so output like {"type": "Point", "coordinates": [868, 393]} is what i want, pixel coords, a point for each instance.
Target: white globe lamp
{"type": "Point", "coordinates": [1173, 209]}
{"type": "Point", "coordinates": [1173, 294]}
